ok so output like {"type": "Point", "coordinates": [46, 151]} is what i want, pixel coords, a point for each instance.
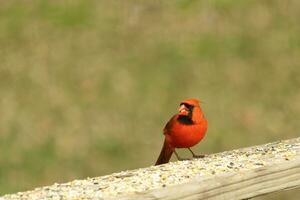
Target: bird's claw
{"type": "Point", "coordinates": [199, 156]}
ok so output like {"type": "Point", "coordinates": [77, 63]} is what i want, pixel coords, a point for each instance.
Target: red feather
{"type": "Point", "coordinates": [184, 130]}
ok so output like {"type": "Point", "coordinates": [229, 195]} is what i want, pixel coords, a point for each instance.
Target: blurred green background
{"type": "Point", "coordinates": [87, 86]}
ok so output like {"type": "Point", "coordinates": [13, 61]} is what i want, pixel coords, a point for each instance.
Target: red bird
{"type": "Point", "coordinates": [184, 130]}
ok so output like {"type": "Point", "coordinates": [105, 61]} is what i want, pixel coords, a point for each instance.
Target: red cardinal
{"type": "Point", "coordinates": [184, 130]}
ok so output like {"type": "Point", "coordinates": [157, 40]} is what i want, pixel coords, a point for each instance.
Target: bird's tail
{"type": "Point", "coordinates": [165, 154]}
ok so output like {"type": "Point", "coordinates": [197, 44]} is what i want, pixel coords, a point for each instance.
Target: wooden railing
{"type": "Point", "coordinates": [237, 174]}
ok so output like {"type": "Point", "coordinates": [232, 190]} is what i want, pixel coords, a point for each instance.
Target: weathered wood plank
{"type": "Point", "coordinates": [242, 185]}
{"type": "Point", "coordinates": [237, 174]}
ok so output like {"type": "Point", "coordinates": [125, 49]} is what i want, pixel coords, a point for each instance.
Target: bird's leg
{"type": "Point", "coordinates": [179, 158]}
{"type": "Point", "coordinates": [196, 156]}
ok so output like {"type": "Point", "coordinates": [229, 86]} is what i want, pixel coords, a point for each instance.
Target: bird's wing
{"type": "Point", "coordinates": [169, 125]}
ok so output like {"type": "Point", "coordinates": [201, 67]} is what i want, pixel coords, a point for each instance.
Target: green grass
{"type": "Point", "coordinates": [87, 86]}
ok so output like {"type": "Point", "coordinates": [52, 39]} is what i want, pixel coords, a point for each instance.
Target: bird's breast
{"type": "Point", "coordinates": [184, 136]}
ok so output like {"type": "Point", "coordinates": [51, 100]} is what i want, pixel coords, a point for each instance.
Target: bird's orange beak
{"type": "Point", "coordinates": [183, 110]}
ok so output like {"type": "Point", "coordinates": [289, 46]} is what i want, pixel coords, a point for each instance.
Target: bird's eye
{"type": "Point", "coordinates": [188, 106]}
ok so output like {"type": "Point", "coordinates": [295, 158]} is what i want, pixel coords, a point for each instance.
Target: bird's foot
{"type": "Point", "coordinates": [199, 156]}
{"type": "Point", "coordinates": [195, 155]}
